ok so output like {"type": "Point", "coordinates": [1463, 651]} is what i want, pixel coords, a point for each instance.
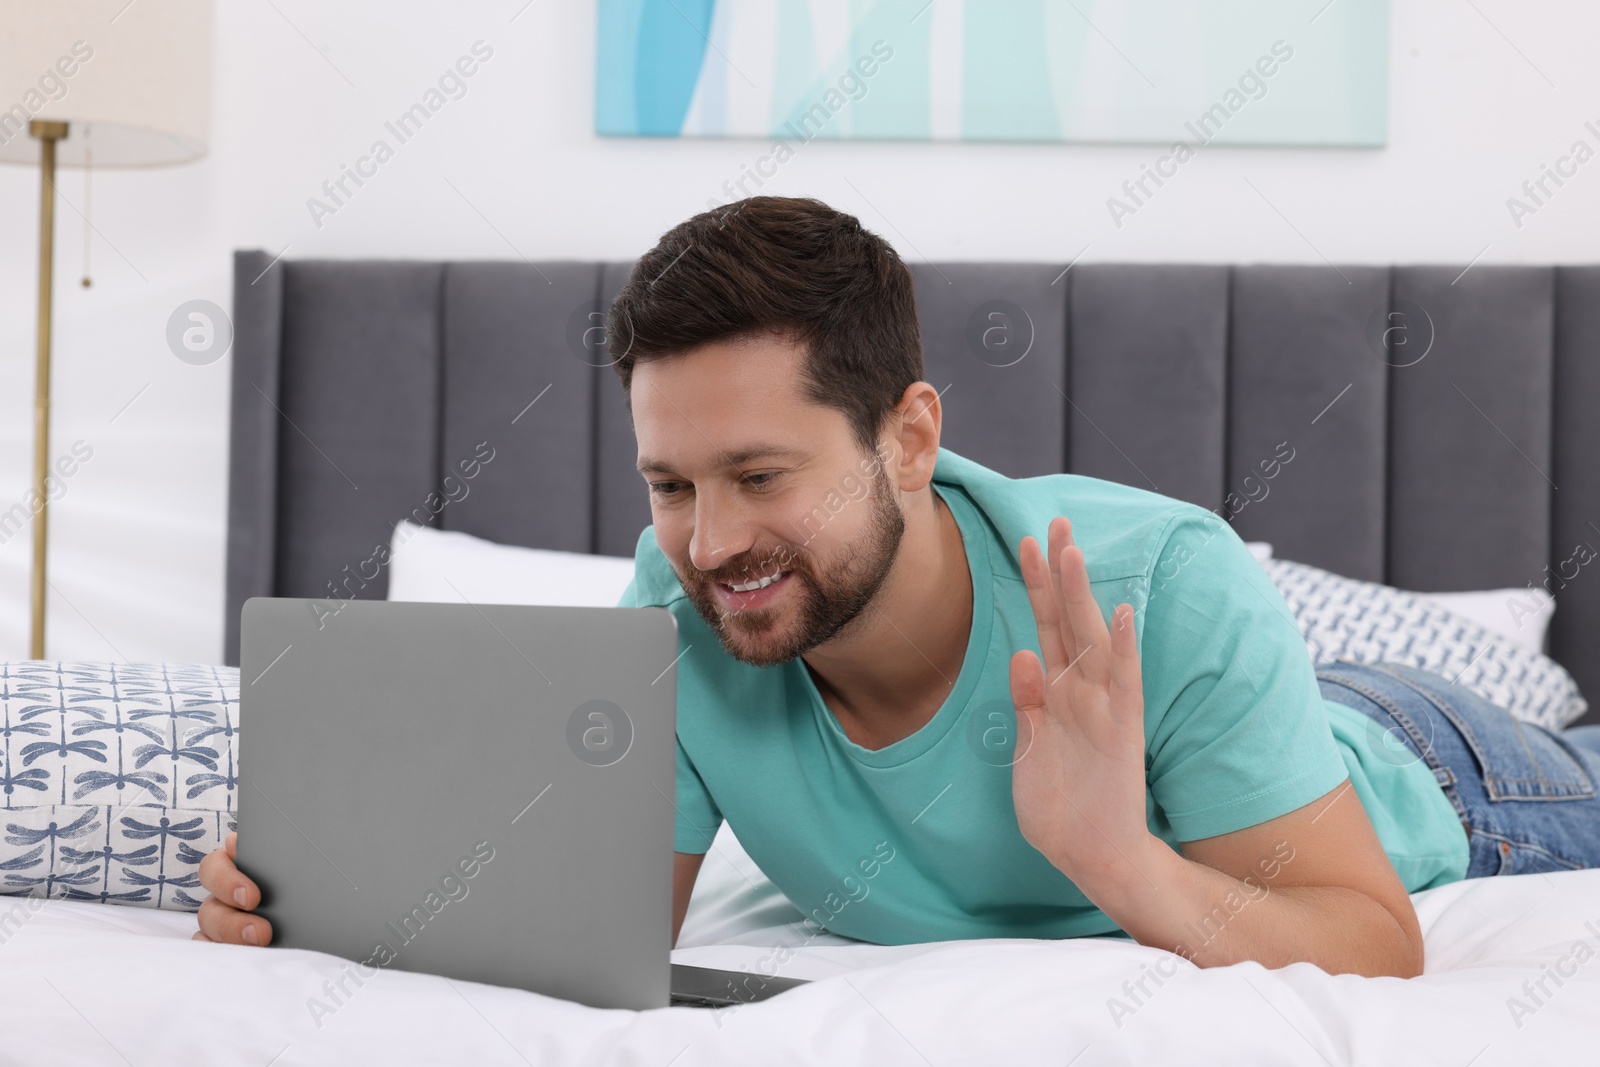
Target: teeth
{"type": "Point", "coordinates": [752, 586]}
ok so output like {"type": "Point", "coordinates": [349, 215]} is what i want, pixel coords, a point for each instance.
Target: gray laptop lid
{"type": "Point", "coordinates": [480, 792]}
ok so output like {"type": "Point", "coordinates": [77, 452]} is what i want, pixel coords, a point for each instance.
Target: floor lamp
{"type": "Point", "coordinates": [99, 84]}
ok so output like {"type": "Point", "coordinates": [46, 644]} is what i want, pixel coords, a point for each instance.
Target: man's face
{"type": "Point", "coordinates": [751, 482]}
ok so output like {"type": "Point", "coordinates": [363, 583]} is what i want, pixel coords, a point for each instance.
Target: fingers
{"type": "Point", "coordinates": [1072, 628]}
{"type": "Point", "coordinates": [219, 922]}
{"type": "Point", "coordinates": [1083, 615]}
{"type": "Point", "coordinates": [1126, 676]}
{"type": "Point", "coordinates": [1046, 607]}
{"type": "Point", "coordinates": [224, 916]}
{"type": "Point", "coordinates": [224, 880]}
{"type": "Point", "coordinates": [1087, 639]}
{"type": "Point", "coordinates": [1060, 535]}
{"type": "Point", "coordinates": [1027, 689]}
{"type": "Point", "coordinates": [1027, 698]}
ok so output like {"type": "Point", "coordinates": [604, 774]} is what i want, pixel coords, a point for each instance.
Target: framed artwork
{"type": "Point", "coordinates": [1243, 72]}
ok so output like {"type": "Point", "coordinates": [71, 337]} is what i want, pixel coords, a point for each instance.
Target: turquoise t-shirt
{"type": "Point", "coordinates": [918, 841]}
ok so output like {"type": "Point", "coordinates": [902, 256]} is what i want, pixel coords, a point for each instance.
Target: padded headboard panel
{"type": "Point", "coordinates": [359, 385]}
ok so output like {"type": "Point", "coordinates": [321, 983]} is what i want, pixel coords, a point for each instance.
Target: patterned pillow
{"type": "Point", "coordinates": [117, 779]}
{"type": "Point", "coordinates": [1342, 618]}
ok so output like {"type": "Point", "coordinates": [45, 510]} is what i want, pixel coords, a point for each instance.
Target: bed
{"type": "Point", "coordinates": [90, 983]}
{"type": "Point", "coordinates": [357, 385]}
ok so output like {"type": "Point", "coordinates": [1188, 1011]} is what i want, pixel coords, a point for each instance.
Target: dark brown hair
{"type": "Point", "coordinates": [790, 266]}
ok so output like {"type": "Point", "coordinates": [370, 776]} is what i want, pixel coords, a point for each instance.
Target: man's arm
{"type": "Point", "coordinates": [1080, 790]}
{"type": "Point", "coordinates": [1313, 885]}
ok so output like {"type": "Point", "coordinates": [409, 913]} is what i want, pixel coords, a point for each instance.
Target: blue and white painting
{"type": "Point", "coordinates": [1267, 72]}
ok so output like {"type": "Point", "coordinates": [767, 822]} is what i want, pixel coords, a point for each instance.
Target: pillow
{"type": "Point", "coordinates": [1523, 615]}
{"type": "Point", "coordinates": [117, 779]}
{"type": "Point", "coordinates": [444, 565]}
{"type": "Point", "coordinates": [1343, 618]}
{"type": "Point", "coordinates": [486, 572]}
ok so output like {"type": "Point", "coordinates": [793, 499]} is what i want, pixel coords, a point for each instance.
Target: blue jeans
{"type": "Point", "coordinates": [1527, 795]}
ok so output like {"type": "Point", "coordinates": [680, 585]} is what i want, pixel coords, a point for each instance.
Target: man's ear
{"type": "Point", "coordinates": [912, 437]}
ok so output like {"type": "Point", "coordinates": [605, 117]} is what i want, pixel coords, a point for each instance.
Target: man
{"type": "Point", "coordinates": [921, 724]}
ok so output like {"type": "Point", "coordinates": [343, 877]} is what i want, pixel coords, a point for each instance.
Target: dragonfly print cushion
{"type": "Point", "coordinates": [116, 779]}
{"type": "Point", "coordinates": [1366, 622]}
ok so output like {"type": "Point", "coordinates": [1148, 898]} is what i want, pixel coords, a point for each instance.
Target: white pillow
{"type": "Point", "coordinates": [448, 566]}
{"type": "Point", "coordinates": [486, 572]}
{"type": "Point", "coordinates": [1523, 615]}
{"type": "Point", "coordinates": [1365, 622]}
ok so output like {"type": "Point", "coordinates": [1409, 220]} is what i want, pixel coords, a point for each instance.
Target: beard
{"type": "Point", "coordinates": [827, 603]}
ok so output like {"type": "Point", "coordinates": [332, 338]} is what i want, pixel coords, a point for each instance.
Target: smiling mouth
{"type": "Point", "coordinates": [759, 583]}
{"type": "Point", "coordinates": [753, 595]}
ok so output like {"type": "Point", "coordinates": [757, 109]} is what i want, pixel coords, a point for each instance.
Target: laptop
{"type": "Point", "coordinates": [483, 792]}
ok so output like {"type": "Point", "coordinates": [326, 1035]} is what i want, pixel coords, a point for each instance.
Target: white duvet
{"type": "Point", "coordinates": [1511, 979]}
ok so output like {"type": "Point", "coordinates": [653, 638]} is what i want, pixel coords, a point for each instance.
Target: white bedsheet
{"type": "Point", "coordinates": [102, 984]}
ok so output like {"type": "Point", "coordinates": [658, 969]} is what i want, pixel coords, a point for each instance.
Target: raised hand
{"type": "Point", "coordinates": [1078, 782]}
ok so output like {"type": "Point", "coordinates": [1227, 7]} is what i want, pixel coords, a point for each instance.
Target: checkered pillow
{"type": "Point", "coordinates": [1342, 618]}
{"type": "Point", "coordinates": [116, 779]}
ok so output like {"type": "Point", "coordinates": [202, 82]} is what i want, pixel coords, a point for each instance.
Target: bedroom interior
{"type": "Point", "coordinates": [356, 351]}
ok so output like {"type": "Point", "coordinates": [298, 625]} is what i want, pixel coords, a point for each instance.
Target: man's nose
{"type": "Point", "coordinates": [721, 532]}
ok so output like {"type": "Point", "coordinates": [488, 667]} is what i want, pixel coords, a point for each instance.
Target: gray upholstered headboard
{"type": "Point", "coordinates": [358, 385]}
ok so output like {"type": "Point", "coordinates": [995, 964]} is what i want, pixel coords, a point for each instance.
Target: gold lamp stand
{"type": "Point", "coordinates": [48, 134]}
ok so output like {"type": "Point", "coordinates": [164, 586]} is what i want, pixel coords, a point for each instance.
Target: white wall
{"type": "Point", "coordinates": [137, 542]}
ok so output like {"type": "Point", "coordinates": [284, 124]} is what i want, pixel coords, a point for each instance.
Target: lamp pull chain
{"type": "Point", "coordinates": [88, 209]}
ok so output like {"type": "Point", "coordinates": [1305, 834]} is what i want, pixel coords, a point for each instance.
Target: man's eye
{"type": "Point", "coordinates": [760, 481]}
{"type": "Point", "coordinates": [665, 488]}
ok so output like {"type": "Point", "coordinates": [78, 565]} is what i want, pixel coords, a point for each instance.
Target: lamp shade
{"type": "Point", "coordinates": [132, 79]}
